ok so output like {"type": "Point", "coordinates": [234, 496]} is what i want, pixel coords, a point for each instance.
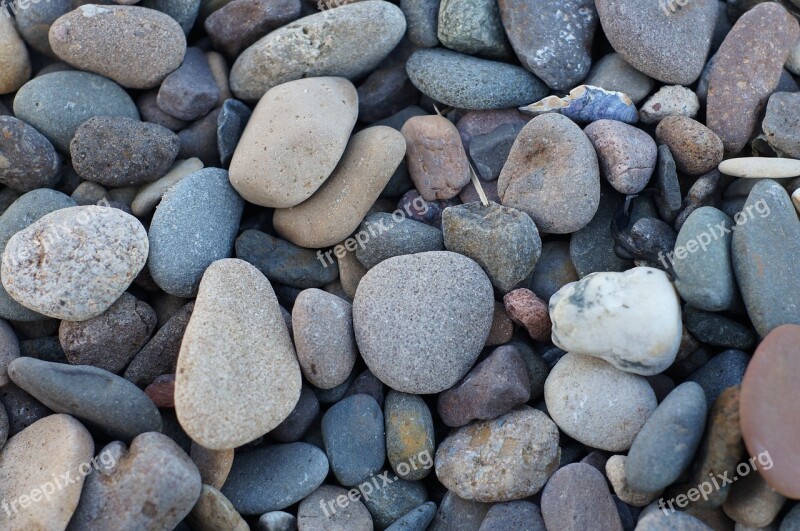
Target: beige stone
{"type": "Point", "coordinates": [350, 270]}
{"type": "Point", "coordinates": [336, 209]}
{"type": "Point", "coordinates": [150, 194]}
{"type": "Point", "coordinates": [615, 471]}
{"type": "Point", "coordinates": [220, 71]}
{"type": "Point", "coordinates": [237, 375]}
{"type": "Point", "coordinates": [214, 465]}
{"type": "Point", "coordinates": [214, 512]}
{"type": "Point", "coordinates": [294, 140]}
{"type": "Point", "coordinates": [15, 64]}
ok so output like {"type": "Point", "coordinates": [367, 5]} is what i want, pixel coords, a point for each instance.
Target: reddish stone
{"type": "Point", "coordinates": [768, 411]}
{"type": "Point", "coordinates": [502, 327]}
{"type": "Point", "coordinates": [162, 391]}
{"type": "Point", "coordinates": [528, 310]}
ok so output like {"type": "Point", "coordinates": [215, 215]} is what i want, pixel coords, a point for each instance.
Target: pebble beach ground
{"type": "Point", "coordinates": [408, 265]}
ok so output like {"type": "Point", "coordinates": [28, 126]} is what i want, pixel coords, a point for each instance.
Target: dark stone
{"type": "Point", "coordinates": [239, 24]}
{"type": "Point", "coordinates": [385, 92]}
{"type": "Point", "coordinates": [231, 122]}
{"type": "Point", "coordinates": [489, 151]}
{"type": "Point", "coordinates": [299, 420]}
{"type": "Point", "coordinates": [29, 160]}
{"type": "Point", "coordinates": [352, 430]}
{"type": "Point", "coordinates": [160, 355]}
{"type": "Point", "coordinates": [389, 238]}
{"type": "Point", "coordinates": [718, 330]}
{"type": "Point", "coordinates": [722, 371]}
{"type": "Point", "coordinates": [191, 91]}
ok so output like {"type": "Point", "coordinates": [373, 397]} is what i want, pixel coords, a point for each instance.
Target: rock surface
{"type": "Point", "coordinates": [29, 159]}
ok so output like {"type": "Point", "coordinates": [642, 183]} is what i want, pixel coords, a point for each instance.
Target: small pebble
{"type": "Point", "coordinates": [529, 311]}
{"type": "Point", "coordinates": [29, 159]}
{"type": "Point", "coordinates": [231, 122]}
{"type": "Point", "coordinates": [322, 511]}
{"type": "Point", "coordinates": [627, 155]}
{"type": "Point", "coordinates": [409, 435]}
{"type": "Point", "coordinates": [783, 133]}
{"type": "Point", "coordinates": [473, 28]}
{"type": "Point", "coordinates": [615, 471]}
{"type": "Point", "coordinates": [614, 74]}
{"type": "Point", "coordinates": [189, 92]}
{"type": "Point", "coordinates": [718, 330]}
{"type": "Point", "coordinates": [162, 391]}
{"type": "Point", "coordinates": [520, 514]}
{"type": "Point", "coordinates": [671, 100]}
{"type": "Point", "coordinates": [214, 465]}
{"type": "Point", "coordinates": [577, 497]}
{"type": "Point", "coordinates": [415, 520]}
{"type": "Point", "coordinates": [394, 500]}
{"type": "Point", "coordinates": [299, 421]}
{"type": "Point", "coordinates": [696, 148]}
{"type": "Point", "coordinates": [240, 23]}
{"type": "Point", "coordinates": [390, 238]}
{"type": "Point", "coordinates": [149, 195]}
{"type": "Point", "coordinates": [213, 511]}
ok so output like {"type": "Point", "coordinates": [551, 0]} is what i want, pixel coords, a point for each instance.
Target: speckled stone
{"type": "Point", "coordinates": [236, 317]}
{"type": "Point", "coordinates": [500, 473]}
{"type": "Point", "coordinates": [783, 133]}
{"type": "Point", "coordinates": [277, 521]}
{"type": "Point", "coordinates": [752, 502]}
{"type": "Point", "coordinates": [695, 148]}
{"type": "Point", "coordinates": [469, 82]}
{"type": "Point", "coordinates": [304, 414]}
{"type": "Point", "coordinates": [671, 100]}
{"type": "Point", "coordinates": [214, 465]}
{"type": "Point", "coordinates": [151, 112]}
{"type": "Point", "coordinates": [390, 502]}
{"type": "Point", "coordinates": [14, 58]}
{"type": "Point", "coordinates": [29, 159]}
{"type": "Point", "coordinates": [442, 287]}
{"type": "Point", "coordinates": [747, 68]}
{"type": "Point", "coordinates": [422, 18]}
{"type": "Point", "coordinates": [529, 311]}
{"type": "Point", "coordinates": [718, 330]}
{"type": "Point", "coordinates": [473, 28]}
{"type": "Point", "coordinates": [213, 511]}
{"type": "Point", "coordinates": [60, 278]}
{"type": "Point", "coordinates": [321, 511]}
{"type": "Point", "coordinates": [183, 11]}
{"type": "Point", "coordinates": [519, 514]}
{"type": "Point", "coordinates": [409, 435]}
{"type": "Point", "coordinates": [352, 430]}
{"type": "Point", "coordinates": [457, 513]}
{"type": "Point", "coordinates": [373, 27]}
{"type": "Point", "coordinates": [239, 24]}
{"type": "Point", "coordinates": [613, 73]}
{"type": "Point", "coordinates": [615, 472]}
{"type": "Point", "coordinates": [149, 195]}
{"type": "Point", "coordinates": [34, 22]}
{"type": "Point", "coordinates": [627, 155]}
{"type": "Point", "coordinates": [417, 519]}
{"type": "Point", "coordinates": [577, 497]}
{"type": "Point", "coordinates": [147, 44]}
{"type": "Point", "coordinates": [190, 91]}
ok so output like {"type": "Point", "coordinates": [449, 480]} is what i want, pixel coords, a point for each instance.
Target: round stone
{"type": "Point", "coordinates": [29, 160]}
{"type": "Point", "coordinates": [190, 92]}
{"type": "Point", "coordinates": [13, 56]}
{"type": "Point", "coordinates": [34, 22]}
{"type": "Point", "coordinates": [237, 25]}
{"type": "Point", "coordinates": [671, 100]}
{"type": "Point", "coordinates": [783, 133]}
{"type": "Point", "coordinates": [321, 511]}
{"type": "Point", "coordinates": [614, 74]}
{"type": "Point", "coordinates": [627, 155]}
{"type": "Point", "coordinates": [416, 290]}
{"type": "Point", "coordinates": [597, 404]}
{"type": "Point", "coordinates": [615, 472]}
{"type": "Point", "coordinates": [75, 262]}
{"type": "Point", "coordinates": [695, 148]}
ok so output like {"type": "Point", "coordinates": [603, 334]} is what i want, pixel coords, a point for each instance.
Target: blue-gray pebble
{"type": "Point", "coordinates": [417, 520]}
{"type": "Point", "coordinates": [194, 225]}
{"type": "Point", "coordinates": [392, 498]}
{"type": "Point", "coordinates": [390, 238]}
{"type": "Point", "coordinates": [231, 121]}
{"type": "Point", "coordinates": [718, 330]}
{"type": "Point", "coordinates": [720, 372]}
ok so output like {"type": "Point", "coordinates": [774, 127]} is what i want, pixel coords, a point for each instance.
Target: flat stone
{"type": "Point", "coordinates": [577, 497]}
{"type": "Point", "coordinates": [223, 404]}
{"type": "Point", "coordinates": [147, 44]}
{"type": "Point", "coordinates": [316, 513]}
{"type": "Point", "coordinates": [232, 120]}
{"type": "Point", "coordinates": [214, 465]}
{"type": "Point", "coordinates": [14, 54]}
{"type": "Point", "coordinates": [299, 421]}
{"type": "Point", "coordinates": [154, 473]}
{"type": "Point", "coordinates": [782, 133]}
{"type": "Point", "coordinates": [96, 396]}
{"type": "Point", "coordinates": [494, 387]}
{"type": "Point", "coordinates": [149, 195]}
{"type": "Point", "coordinates": [194, 225]}
{"type": "Point", "coordinates": [440, 287]}
{"type": "Point", "coordinates": [718, 330]}
{"type": "Point", "coordinates": [53, 446]}
{"type": "Point", "coordinates": [760, 168]}
{"type": "Point", "coordinates": [767, 420]}
{"type": "Point", "coordinates": [504, 241]}
{"type": "Point", "coordinates": [62, 279]}
{"type": "Point", "coordinates": [557, 181]}
{"type": "Point", "coordinates": [409, 435]}
{"type": "Point", "coordinates": [695, 148]}
{"type": "Point", "coordinates": [627, 155]}
{"type": "Point", "coordinates": [57, 104]}
{"type": "Point", "coordinates": [29, 159]}
{"type": "Point", "coordinates": [213, 511]}
{"type": "Point", "coordinates": [615, 317]}
{"type": "Point", "coordinates": [337, 208]}
{"type": "Point", "coordinates": [597, 404]}
{"type": "Point", "coordinates": [189, 92]}
{"type": "Point", "coordinates": [552, 39]}
{"type": "Point", "coordinates": [237, 25]}
{"type": "Point", "coordinates": [274, 477]}
{"type": "Point", "coordinates": [614, 74]}
{"type": "Point", "coordinates": [352, 431]}
{"type": "Point", "coordinates": [469, 82]}
{"type": "Point", "coordinates": [116, 151]}
{"type": "Point", "coordinates": [763, 259]}
{"type": "Point", "coordinates": [292, 52]}
{"type": "Point", "coordinates": [111, 339]}
{"type": "Point", "coordinates": [519, 514]}
{"type": "Point", "coordinates": [415, 520]}
{"type": "Point", "coordinates": [671, 100]}
{"type": "Point", "coordinates": [747, 68]}
{"type": "Point", "coordinates": [160, 354]}
{"type": "Point", "coordinates": [265, 169]}
{"type": "Point", "coordinates": [390, 238]}
{"type": "Point", "coordinates": [473, 28]}
{"type": "Point", "coordinates": [667, 442]}
{"type": "Point", "coordinates": [673, 49]}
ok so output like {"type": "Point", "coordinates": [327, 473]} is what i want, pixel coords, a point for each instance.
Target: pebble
{"type": "Point", "coordinates": [385, 92]}
{"type": "Point", "coordinates": [51, 447]}
{"type": "Point", "coordinates": [695, 148]}
{"type": "Point", "coordinates": [14, 57]}
{"type": "Point", "coordinates": [591, 249]}
{"type": "Point", "coordinates": [151, 112]}
{"type": "Point", "coordinates": [9, 351]}
{"type": "Point", "coordinates": [552, 175]}
{"type": "Point", "coordinates": [553, 270]}
{"type": "Point", "coordinates": [673, 49]}
{"type": "Point", "coordinates": [147, 44]}
{"type": "Point", "coordinates": [457, 513]}
{"type": "Point", "coordinates": [596, 403]}
{"type": "Point", "coordinates": [577, 497]}
{"type": "Point", "coordinates": [705, 279]}
{"type": "Point", "coordinates": [469, 82]}
{"type": "Point", "coordinates": [489, 151]}
{"type": "Point", "coordinates": [160, 354]}
{"type": "Point", "coordinates": [409, 435]}
{"type": "Point", "coordinates": [264, 168]}
{"type": "Point", "coordinates": [769, 287]}
{"type": "Point", "coordinates": [415, 520]}
{"type": "Point", "coordinates": [231, 122]}
{"type": "Point", "coordinates": [703, 192]}
{"type": "Point", "coordinates": [476, 463]}
{"type": "Point", "coordinates": [29, 159]}
{"type": "Point", "coordinates": [63, 281]}
{"type": "Point", "coordinates": [352, 431]}
{"type": "Point", "coordinates": [162, 391]}
{"type": "Point", "coordinates": [57, 104]}
{"type": "Point", "coordinates": [292, 52]}
{"type": "Point", "coordinates": [100, 398]}
{"type": "Point", "coordinates": [321, 511]}
{"type": "Point", "coordinates": [791, 520]}
{"type": "Point", "coordinates": [494, 387]}
{"type": "Point", "coordinates": [213, 511]}
{"type": "Point", "coordinates": [752, 503]}
{"type": "Point", "coordinates": [760, 168]}
{"type": "Point", "coordinates": [746, 70]}
{"type": "Point", "coordinates": [323, 337]}
{"type": "Point", "coordinates": [190, 92]}
{"type": "Point", "coordinates": [657, 520]}
{"type": "Point", "coordinates": [627, 155]}
{"type": "Point", "coordinates": [441, 287]}
{"type": "Point", "coordinates": [768, 420]}
{"type": "Point", "coordinates": [504, 241]}
{"type": "Point", "coordinates": [200, 139]}
{"type": "Point", "coordinates": [666, 444]}
{"type": "Point", "coordinates": [110, 340]}
{"type": "Point", "coordinates": [150, 194]}
{"type": "Point", "coordinates": [22, 409]}
{"type": "Point", "coordinates": [239, 24]}
{"type": "Point", "coordinates": [214, 465]}
{"type": "Point", "coordinates": [437, 162]}
{"type": "Point", "coordinates": [116, 151]}
{"type": "Point", "coordinates": [473, 28]}
{"type": "Point", "coordinates": [33, 23]}
{"type": "Point", "coordinates": [389, 238]}
{"type": "Point", "coordinates": [194, 225]}
{"type": "Point", "coordinates": [277, 521]}
{"type": "Point", "coordinates": [299, 421]}
{"type": "Point", "coordinates": [338, 207]}
{"type": "Point", "coordinates": [236, 317]}
{"type": "Point", "coordinates": [529, 311]}
{"type": "Point", "coordinates": [782, 133]}
{"type": "Point", "coordinates": [718, 330]}
{"type": "Point", "coordinates": [670, 100]}
{"type": "Point", "coordinates": [422, 18]}
{"type": "Point", "coordinates": [519, 514]}
{"type": "Point", "coordinates": [368, 384]}
{"type": "Point", "coordinates": [502, 327]}
{"type": "Point", "coordinates": [350, 272]}
{"type": "Point", "coordinates": [614, 74]}
{"type": "Point", "coordinates": [615, 471]}
{"type": "Point", "coordinates": [183, 11]}
{"type": "Point", "coordinates": [631, 319]}
{"type": "Point", "coordinates": [154, 473]}
{"type": "Point", "coordinates": [274, 477]}
{"type": "Point", "coordinates": [552, 39]}
{"type": "Point", "coordinates": [393, 501]}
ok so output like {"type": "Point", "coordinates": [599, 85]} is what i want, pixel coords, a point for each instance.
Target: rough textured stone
{"type": "Point", "coordinates": [671, 100]}
{"type": "Point", "coordinates": [627, 155]}
{"type": "Point", "coordinates": [783, 133]}
{"type": "Point", "coordinates": [577, 497]}
{"type": "Point", "coordinates": [34, 23]}
{"type": "Point", "coordinates": [422, 17]}
{"type": "Point", "coordinates": [695, 148]}
{"type": "Point", "coordinates": [409, 435]}
{"type": "Point", "coordinates": [29, 160]}
{"type": "Point", "coordinates": [213, 511]}
{"type": "Point", "coordinates": [473, 28]}
{"type": "Point", "coordinates": [14, 59]}
{"type": "Point", "coordinates": [390, 238]}
{"type": "Point", "coordinates": [752, 503]}
{"type": "Point", "coordinates": [519, 514]}
{"type": "Point", "coordinates": [528, 310]}
{"type": "Point", "coordinates": [240, 23]}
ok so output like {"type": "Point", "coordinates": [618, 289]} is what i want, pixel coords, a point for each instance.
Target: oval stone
{"type": "Point", "coordinates": [372, 28]}
{"type": "Point", "coordinates": [147, 44]}
{"type": "Point", "coordinates": [13, 56]}
{"type": "Point", "coordinates": [75, 262]}
{"type": "Point", "coordinates": [409, 434]}
{"type": "Point", "coordinates": [577, 497]}
{"type": "Point", "coordinates": [439, 299]}
{"type": "Point", "coordinates": [552, 174]}
{"type": "Point", "coordinates": [27, 159]}
{"type": "Point", "coordinates": [273, 164]}
{"type": "Point", "coordinates": [237, 376]}
{"type": "Point", "coordinates": [760, 168]}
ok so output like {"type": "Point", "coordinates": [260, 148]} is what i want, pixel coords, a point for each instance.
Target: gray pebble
{"type": "Point", "coordinates": [416, 520]}
{"type": "Point", "coordinates": [591, 248]}
{"type": "Point", "coordinates": [189, 92]}
{"type": "Point", "coordinates": [183, 11]}
{"type": "Point", "coordinates": [612, 73]}
{"type": "Point", "coordinates": [393, 501]}
{"type": "Point", "coordinates": [295, 426]}
{"type": "Point", "coordinates": [489, 151]}
{"type": "Point", "coordinates": [29, 159]}
{"type": "Point", "coordinates": [553, 270]}
{"type": "Point", "coordinates": [782, 132]}
{"type": "Point", "coordinates": [521, 515]}
{"type": "Point", "coordinates": [724, 370]}
{"type": "Point", "coordinates": [389, 237]}
{"type": "Point", "coordinates": [232, 119]}
{"type": "Point", "coordinates": [473, 27]}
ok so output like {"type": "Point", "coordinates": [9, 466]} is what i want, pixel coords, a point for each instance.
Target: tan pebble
{"type": "Point", "coordinates": [214, 465]}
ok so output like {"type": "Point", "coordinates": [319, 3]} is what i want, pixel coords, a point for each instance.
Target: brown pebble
{"type": "Point", "coordinates": [240, 23]}
{"type": "Point", "coordinates": [695, 148]}
{"type": "Point", "coordinates": [162, 391]}
{"type": "Point", "coordinates": [502, 327]}
{"type": "Point", "coordinates": [214, 465]}
{"type": "Point", "coordinates": [528, 310]}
